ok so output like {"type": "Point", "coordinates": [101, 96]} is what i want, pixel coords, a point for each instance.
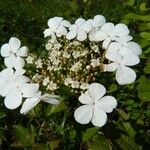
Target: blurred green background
{"type": "Point", "coordinates": [55, 128]}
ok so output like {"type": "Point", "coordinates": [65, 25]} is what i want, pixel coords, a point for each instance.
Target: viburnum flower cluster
{"type": "Point", "coordinates": [74, 57]}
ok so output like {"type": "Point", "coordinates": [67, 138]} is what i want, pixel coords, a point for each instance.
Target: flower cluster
{"type": "Point", "coordinates": [14, 85]}
{"type": "Point", "coordinates": [75, 55]}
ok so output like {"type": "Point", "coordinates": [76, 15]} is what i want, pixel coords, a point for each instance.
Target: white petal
{"type": "Point", "coordinates": [22, 79]}
{"type": "Point", "coordinates": [106, 43]}
{"type": "Point", "coordinates": [99, 20]}
{"type": "Point", "coordinates": [29, 89]}
{"type": "Point", "coordinates": [83, 114]}
{"type": "Point", "coordinates": [73, 27]}
{"type": "Point", "coordinates": [61, 31]}
{"type": "Point", "coordinates": [113, 56]}
{"type": "Point", "coordinates": [86, 27]}
{"type": "Point", "coordinates": [85, 98]}
{"type": "Point", "coordinates": [114, 46]}
{"type": "Point", "coordinates": [65, 23]}
{"type": "Point", "coordinates": [7, 74]}
{"type": "Point", "coordinates": [130, 59]}
{"type": "Point", "coordinates": [48, 32]}
{"type": "Point", "coordinates": [10, 61]}
{"type": "Point", "coordinates": [19, 72]}
{"type": "Point", "coordinates": [7, 88]}
{"type": "Point", "coordinates": [107, 103]}
{"type": "Point", "coordinates": [2, 83]}
{"type": "Point", "coordinates": [123, 39]}
{"type": "Point", "coordinates": [5, 50]}
{"type": "Point", "coordinates": [96, 91]}
{"type": "Point", "coordinates": [121, 30]}
{"type": "Point", "coordinates": [14, 44]}
{"type": "Point", "coordinates": [81, 35]}
{"type": "Point", "coordinates": [71, 35]}
{"type": "Point", "coordinates": [13, 99]}
{"type": "Point", "coordinates": [100, 36]}
{"type": "Point", "coordinates": [92, 35]}
{"type": "Point", "coordinates": [99, 117]}
{"type": "Point", "coordinates": [110, 67]}
{"type": "Point", "coordinates": [80, 21]}
{"type": "Point", "coordinates": [125, 75]}
{"type": "Point", "coordinates": [135, 48]}
{"type": "Point", "coordinates": [107, 28]}
{"type": "Point", "coordinates": [29, 104]}
{"type": "Point", "coordinates": [53, 23]}
{"type": "Point", "coordinates": [19, 63]}
{"type": "Point", "coordinates": [23, 52]}
{"type": "Point", "coordinates": [51, 101]}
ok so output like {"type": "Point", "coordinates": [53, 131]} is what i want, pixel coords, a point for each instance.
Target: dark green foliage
{"type": "Point", "coordinates": [53, 127]}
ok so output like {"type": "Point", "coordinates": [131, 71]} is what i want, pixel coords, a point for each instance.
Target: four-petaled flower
{"type": "Point", "coordinates": [14, 86]}
{"type": "Point", "coordinates": [95, 106]}
{"type": "Point", "coordinates": [13, 53]}
{"type": "Point", "coordinates": [79, 30]}
{"type": "Point", "coordinates": [96, 23]}
{"type": "Point", "coordinates": [120, 63]}
{"type": "Point", "coordinates": [57, 26]}
{"type": "Point", "coordinates": [110, 32]}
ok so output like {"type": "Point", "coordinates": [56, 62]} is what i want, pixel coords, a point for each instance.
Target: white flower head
{"type": "Point", "coordinates": [30, 103]}
{"type": "Point", "coordinates": [13, 53]}
{"type": "Point", "coordinates": [95, 106]}
{"type": "Point", "coordinates": [57, 26]}
{"type": "Point", "coordinates": [79, 30]}
{"type": "Point", "coordinates": [15, 86]}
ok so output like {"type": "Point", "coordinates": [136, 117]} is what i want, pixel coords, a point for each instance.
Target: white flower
{"type": "Point", "coordinates": [52, 86]}
{"type": "Point", "coordinates": [95, 106]}
{"type": "Point", "coordinates": [14, 87]}
{"type": "Point", "coordinates": [76, 67]}
{"type": "Point", "coordinates": [46, 81]}
{"type": "Point", "coordinates": [57, 26]}
{"type": "Point", "coordinates": [84, 86]}
{"type": "Point", "coordinates": [67, 81]}
{"type": "Point", "coordinates": [75, 84]}
{"type": "Point", "coordinates": [96, 23]}
{"type": "Point", "coordinates": [30, 103]}
{"type": "Point", "coordinates": [13, 53]}
{"type": "Point", "coordinates": [66, 54]}
{"type": "Point", "coordinates": [39, 63]}
{"type": "Point", "coordinates": [109, 32]}
{"type": "Point", "coordinates": [120, 63]}
{"type": "Point", "coordinates": [30, 60]}
{"type": "Point", "coordinates": [95, 62]}
{"type": "Point", "coordinates": [80, 30]}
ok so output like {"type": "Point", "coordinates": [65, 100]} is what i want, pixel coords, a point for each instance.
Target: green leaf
{"type": "Point", "coordinates": [144, 26]}
{"type": "Point", "coordinates": [89, 133]}
{"type": "Point", "coordinates": [144, 89]}
{"type": "Point", "coordinates": [130, 2]}
{"type": "Point", "coordinates": [25, 136]}
{"type": "Point", "coordinates": [54, 144]}
{"type": "Point", "coordinates": [147, 69]}
{"type": "Point", "coordinates": [126, 141]}
{"type": "Point", "coordinates": [124, 115]}
{"type": "Point", "coordinates": [145, 35]}
{"type": "Point", "coordinates": [56, 109]}
{"type": "Point", "coordinates": [143, 7]}
{"type": "Point", "coordinates": [131, 17]}
{"type": "Point", "coordinates": [100, 143]}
